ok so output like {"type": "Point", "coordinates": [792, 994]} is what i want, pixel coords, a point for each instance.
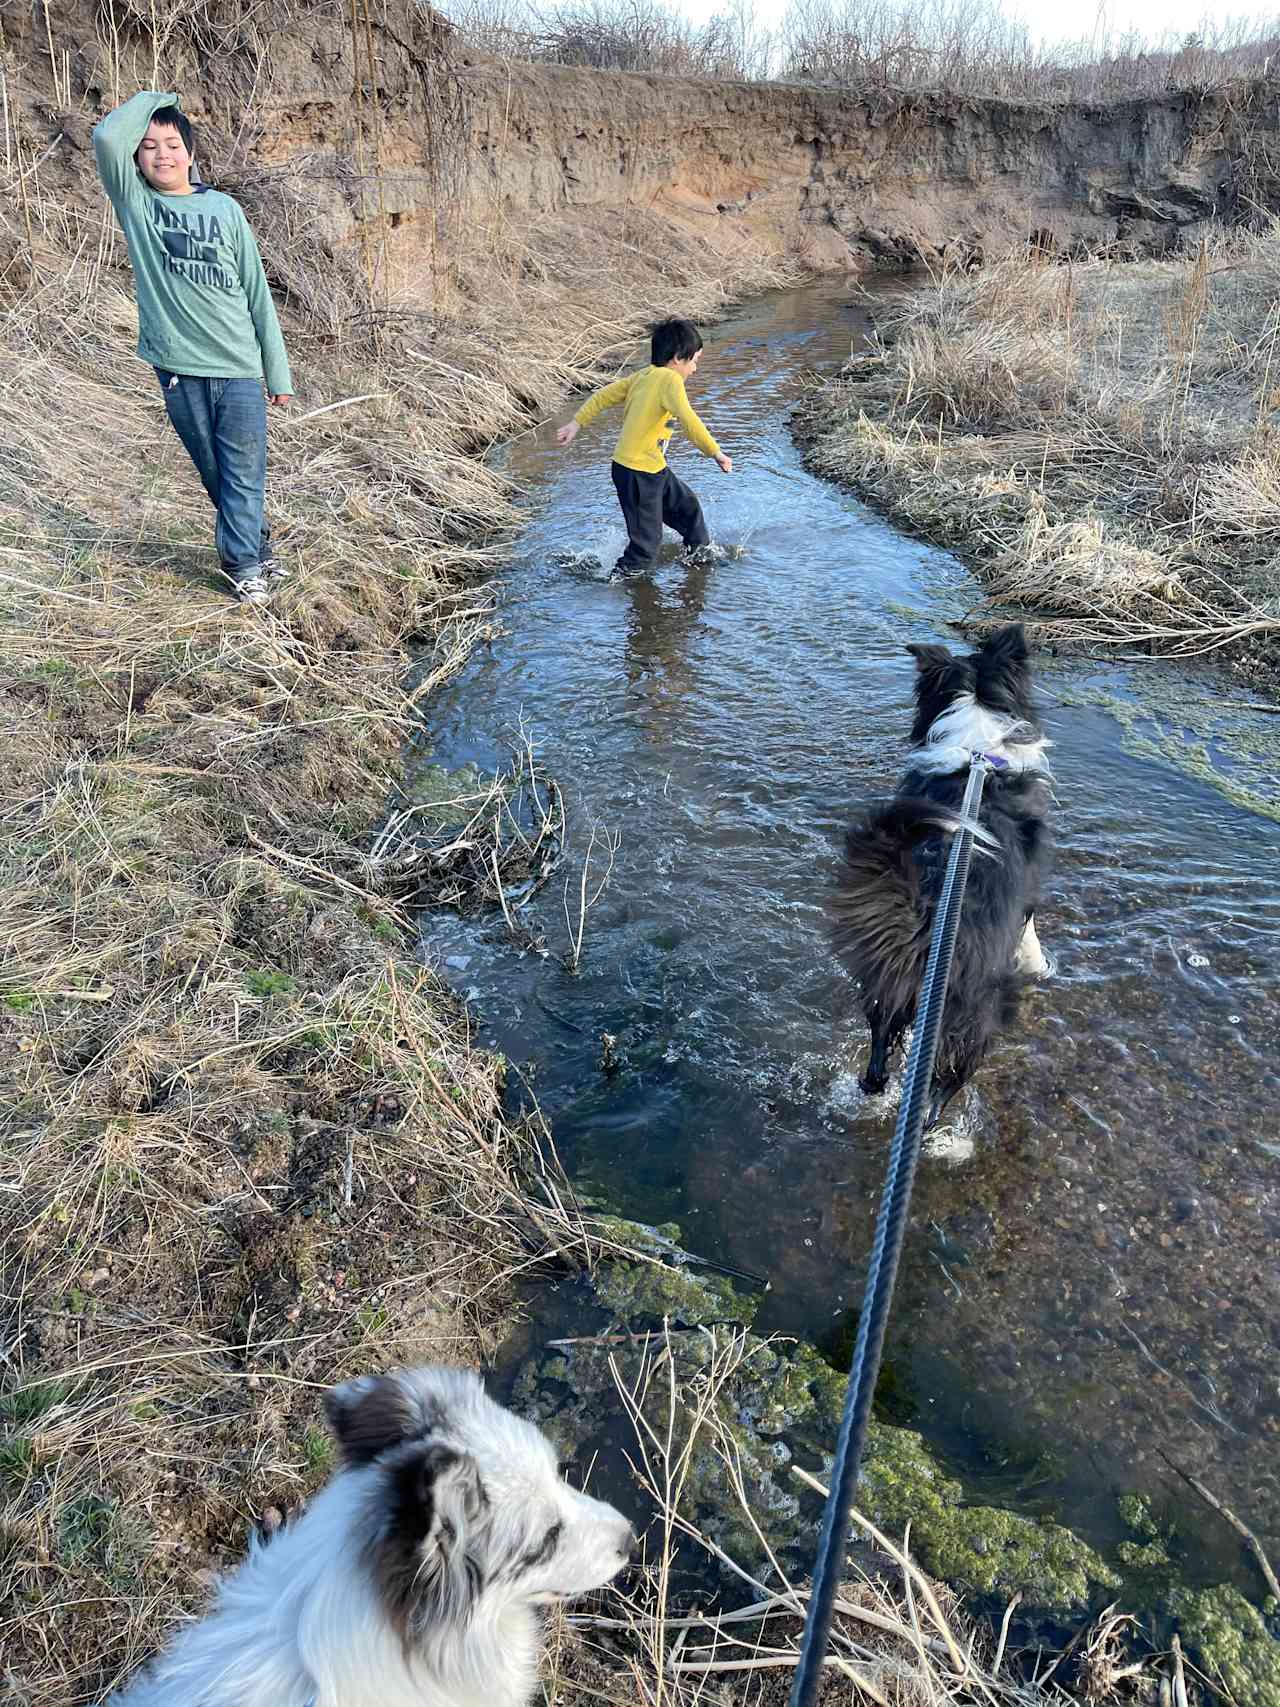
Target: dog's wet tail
{"type": "Point", "coordinates": [881, 910]}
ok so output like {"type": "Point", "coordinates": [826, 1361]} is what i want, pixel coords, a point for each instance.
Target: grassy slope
{"type": "Point", "coordinates": [247, 1147]}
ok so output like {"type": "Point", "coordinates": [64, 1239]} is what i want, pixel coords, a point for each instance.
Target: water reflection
{"type": "Point", "coordinates": [661, 628]}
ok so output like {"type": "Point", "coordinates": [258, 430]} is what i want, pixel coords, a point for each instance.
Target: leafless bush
{"type": "Point", "coordinates": [975, 47]}
{"type": "Point", "coordinates": [621, 35]}
{"type": "Point", "coordinates": [961, 46]}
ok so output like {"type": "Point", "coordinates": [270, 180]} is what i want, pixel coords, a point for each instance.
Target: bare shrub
{"type": "Point", "coordinates": [648, 36]}
{"type": "Point", "coordinates": [975, 47]}
{"type": "Point", "coordinates": [958, 46]}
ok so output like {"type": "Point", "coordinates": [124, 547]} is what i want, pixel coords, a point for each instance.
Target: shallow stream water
{"type": "Point", "coordinates": [1091, 1279]}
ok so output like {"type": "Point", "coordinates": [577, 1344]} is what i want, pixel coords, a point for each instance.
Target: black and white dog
{"type": "Point", "coordinates": [414, 1577]}
{"type": "Point", "coordinates": [896, 854]}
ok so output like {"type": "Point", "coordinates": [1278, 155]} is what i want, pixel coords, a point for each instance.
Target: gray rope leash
{"type": "Point", "coordinates": [891, 1224]}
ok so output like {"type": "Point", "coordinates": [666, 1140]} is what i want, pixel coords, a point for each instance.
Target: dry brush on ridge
{"type": "Point", "coordinates": [1099, 437]}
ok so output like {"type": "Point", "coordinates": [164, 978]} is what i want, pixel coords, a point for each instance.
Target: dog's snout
{"type": "Point", "coordinates": [628, 1542]}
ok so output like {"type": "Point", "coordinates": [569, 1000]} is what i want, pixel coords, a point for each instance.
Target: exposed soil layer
{"type": "Point", "coordinates": [845, 177]}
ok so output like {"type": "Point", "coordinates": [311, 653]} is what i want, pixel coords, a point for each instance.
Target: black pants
{"type": "Point", "coordinates": [648, 502]}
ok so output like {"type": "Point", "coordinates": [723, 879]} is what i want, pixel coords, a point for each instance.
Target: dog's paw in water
{"type": "Point", "coordinates": [1031, 957]}
{"type": "Point", "coordinates": [951, 1142]}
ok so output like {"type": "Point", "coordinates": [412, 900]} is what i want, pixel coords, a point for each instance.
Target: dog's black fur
{"type": "Point", "coordinates": [896, 854]}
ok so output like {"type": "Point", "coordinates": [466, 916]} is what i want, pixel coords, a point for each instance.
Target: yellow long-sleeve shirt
{"type": "Point", "coordinates": [652, 397]}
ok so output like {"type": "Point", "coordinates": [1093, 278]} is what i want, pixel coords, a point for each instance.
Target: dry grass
{"type": "Point", "coordinates": [247, 1146]}
{"type": "Point", "coordinates": [1099, 437]}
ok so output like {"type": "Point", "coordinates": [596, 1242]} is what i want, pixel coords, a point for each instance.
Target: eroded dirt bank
{"type": "Point", "coordinates": [386, 138]}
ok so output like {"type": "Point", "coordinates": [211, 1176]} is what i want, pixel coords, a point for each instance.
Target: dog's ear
{"type": "Point", "coordinates": [1007, 645]}
{"type": "Point", "coordinates": [422, 1564]}
{"type": "Point", "coordinates": [930, 657]}
{"type": "Point", "coordinates": [369, 1416]}
{"type": "Point", "coordinates": [436, 1491]}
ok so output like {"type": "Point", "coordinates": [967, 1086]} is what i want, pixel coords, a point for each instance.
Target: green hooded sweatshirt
{"type": "Point", "coordinates": [204, 307]}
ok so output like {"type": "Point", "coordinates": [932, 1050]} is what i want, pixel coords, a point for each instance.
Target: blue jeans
{"type": "Point", "coordinates": [223, 424]}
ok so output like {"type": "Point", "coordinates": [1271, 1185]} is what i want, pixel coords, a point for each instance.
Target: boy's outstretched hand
{"type": "Point", "coordinates": [567, 434]}
{"type": "Point", "coordinates": [725, 464]}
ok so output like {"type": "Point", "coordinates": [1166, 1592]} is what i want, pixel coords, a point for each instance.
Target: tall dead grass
{"type": "Point", "coordinates": [1099, 437]}
{"type": "Point", "coordinates": [247, 1146]}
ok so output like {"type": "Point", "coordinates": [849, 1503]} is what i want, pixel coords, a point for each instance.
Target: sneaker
{"type": "Point", "coordinates": [273, 569]}
{"type": "Point", "coordinates": [253, 590]}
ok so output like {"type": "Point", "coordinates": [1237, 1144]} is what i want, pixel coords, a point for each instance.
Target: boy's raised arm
{"type": "Point", "coordinates": [275, 363]}
{"type": "Point", "coordinates": [116, 139]}
{"type": "Point", "coordinates": [608, 397]}
{"type": "Point", "coordinates": [677, 401]}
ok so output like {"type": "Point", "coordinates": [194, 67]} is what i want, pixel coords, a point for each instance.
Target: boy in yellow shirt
{"type": "Point", "coordinates": [654, 399]}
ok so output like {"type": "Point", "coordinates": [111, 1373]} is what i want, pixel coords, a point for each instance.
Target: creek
{"type": "Point", "coordinates": [1090, 1280]}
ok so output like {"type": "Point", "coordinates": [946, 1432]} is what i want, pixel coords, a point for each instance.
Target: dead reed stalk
{"type": "Point", "coordinates": [1097, 438]}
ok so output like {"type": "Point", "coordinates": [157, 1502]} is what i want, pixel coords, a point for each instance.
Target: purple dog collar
{"type": "Point", "coordinates": [994, 760]}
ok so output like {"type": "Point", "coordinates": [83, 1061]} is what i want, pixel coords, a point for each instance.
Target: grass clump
{"type": "Point", "coordinates": [1099, 438]}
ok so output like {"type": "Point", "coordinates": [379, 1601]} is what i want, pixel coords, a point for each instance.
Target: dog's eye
{"type": "Point", "coordinates": [542, 1550]}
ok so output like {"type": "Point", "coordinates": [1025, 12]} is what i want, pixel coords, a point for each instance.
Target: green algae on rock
{"type": "Point", "coordinates": [1232, 1642]}
{"type": "Point", "coordinates": [779, 1402]}
{"type": "Point", "coordinates": [980, 1549]}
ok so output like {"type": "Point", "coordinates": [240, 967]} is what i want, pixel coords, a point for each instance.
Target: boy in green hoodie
{"type": "Point", "coordinates": [206, 321]}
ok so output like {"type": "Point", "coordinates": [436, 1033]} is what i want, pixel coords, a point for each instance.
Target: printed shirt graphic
{"type": "Point", "coordinates": [204, 306]}
{"type": "Point", "coordinates": [655, 399]}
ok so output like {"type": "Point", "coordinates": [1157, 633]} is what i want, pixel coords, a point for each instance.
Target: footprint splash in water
{"type": "Point", "coordinates": [587, 566]}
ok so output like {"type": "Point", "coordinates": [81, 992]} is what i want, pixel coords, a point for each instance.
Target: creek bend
{"type": "Point", "coordinates": [1090, 1278]}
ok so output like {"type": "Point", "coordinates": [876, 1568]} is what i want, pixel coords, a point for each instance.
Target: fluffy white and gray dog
{"type": "Point", "coordinates": [414, 1578]}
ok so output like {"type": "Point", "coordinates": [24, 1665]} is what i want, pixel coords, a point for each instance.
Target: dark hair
{"type": "Point", "coordinates": [674, 340]}
{"type": "Point", "coordinates": [175, 117]}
